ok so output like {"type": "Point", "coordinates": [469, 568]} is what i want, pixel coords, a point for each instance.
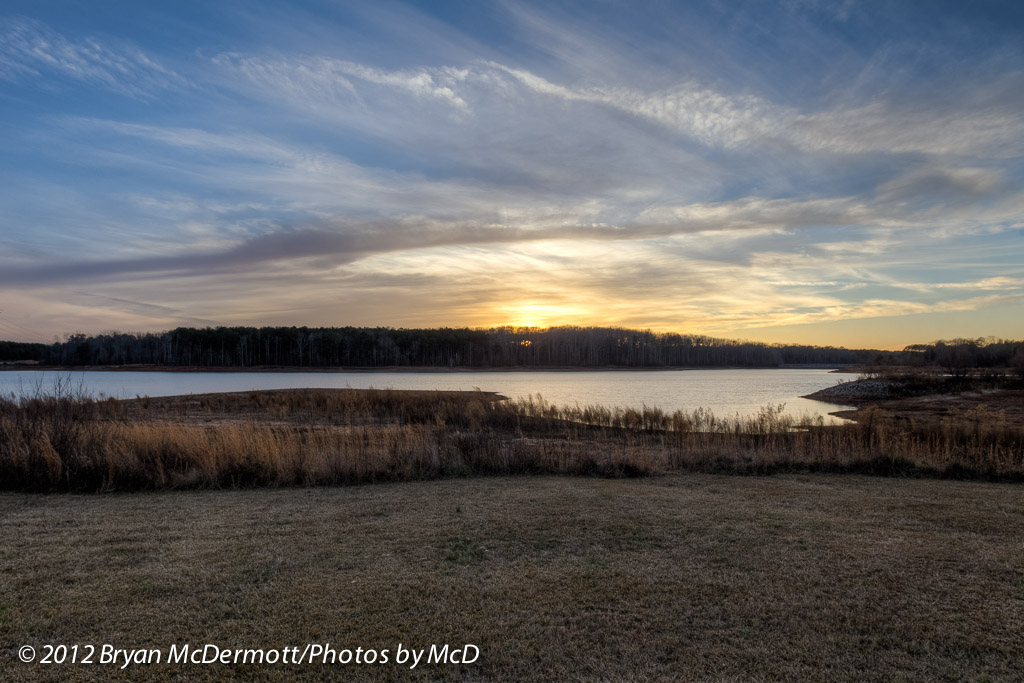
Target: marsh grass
{"type": "Point", "coordinates": [328, 437]}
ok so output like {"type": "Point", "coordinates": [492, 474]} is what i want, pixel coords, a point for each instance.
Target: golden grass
{"type": "Point", "coordinates": [322, 437]}
{"type": "Point", "coordinates": [680, 577]}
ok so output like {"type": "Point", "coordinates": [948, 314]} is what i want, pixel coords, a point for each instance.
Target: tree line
{"type": "Point", "coordinates": [496, 347]}
{"type": "Point", "coordinates": [444, 347]}
{"type": "Point", "coordinates": [958, 356]}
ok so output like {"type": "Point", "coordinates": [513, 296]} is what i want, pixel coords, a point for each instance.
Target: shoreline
{"type": "Point", "coordinates": [978, 404]}
{"type": "Point", "coordinates": [432, 369]}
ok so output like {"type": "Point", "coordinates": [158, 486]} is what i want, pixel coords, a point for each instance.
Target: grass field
{"type": "Point", "coordinates": [674, 577]}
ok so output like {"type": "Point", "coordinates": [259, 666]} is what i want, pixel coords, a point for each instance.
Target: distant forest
{"type": "Point", "coordinates": [496, 347]}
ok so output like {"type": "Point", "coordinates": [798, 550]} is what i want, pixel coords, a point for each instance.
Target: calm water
{"type": "Point", "coordinates": [726, 392]}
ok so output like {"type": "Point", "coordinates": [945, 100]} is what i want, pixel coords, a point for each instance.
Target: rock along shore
{"type": "Point", "coordinates": [859, 390]}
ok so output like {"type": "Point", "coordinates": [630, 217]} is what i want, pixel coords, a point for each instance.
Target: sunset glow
{"type": "Point", "coordinates": [812, 172]}
{"type": "Point", "coordinates": [542, 315]}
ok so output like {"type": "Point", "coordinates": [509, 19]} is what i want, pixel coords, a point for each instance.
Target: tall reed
{"type": "Point", "coordinates": [318, 437]}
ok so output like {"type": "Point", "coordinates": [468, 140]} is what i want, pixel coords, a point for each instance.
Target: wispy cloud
{"type": "Point", "coordinates": [702, 113]}
{"type": "Point", "coordinates": [984, 122]}
{"type": "Point", "coordinates": [30, 50]}
{"type": "Point", "coordinates": [328, 80]}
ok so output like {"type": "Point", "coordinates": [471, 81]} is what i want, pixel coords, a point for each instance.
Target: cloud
{"type": "Point", "coordinates": [760, 213]}
{"type": "Point", "coordinates": [327, 80]}
{"type": "Point", "coordinates": [978, 125]}
{"type": "Point", "coordinates": [985, 120]}
{"type": "Point", "coordinates": [982, 123]}
{"type": "Point", "coordinates": [323, 248]}
{"type": "Point", "coordinates": [702, 113]}
{"type": "Point", "coordinates": [31, 50]}
{"type": "Point", "coordinates": [879, 308]}
{"type": "Point", "coordinates": [933, 183]}
{"type": "Point", "coordinates": [141, 309]}
{"type": "Point", "coordinates": [999, 283]}
{"type": "Point", "coordinates": [314, 184]}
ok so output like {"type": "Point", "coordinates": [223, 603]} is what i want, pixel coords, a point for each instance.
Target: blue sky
{"type": "Point", "coordinates": [825, 172]}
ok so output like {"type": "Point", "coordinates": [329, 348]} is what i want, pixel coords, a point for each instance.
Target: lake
{"type": "Point", "coordinates": [727, 392]}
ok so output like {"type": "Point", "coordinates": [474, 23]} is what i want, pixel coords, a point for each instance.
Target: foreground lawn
{"type": "Point", "coordinates": [554, 578]}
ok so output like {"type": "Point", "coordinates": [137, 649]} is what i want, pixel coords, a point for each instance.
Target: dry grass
{"type": "Point", "coordinates": [681, 577]}
{"type": "Point", "coordinates": [303, 438]}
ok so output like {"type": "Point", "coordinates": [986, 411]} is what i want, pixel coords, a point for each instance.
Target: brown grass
{"type": "Point", "coordinates": [321, 437]}
{"type": "Point", "coordinates": [681, 577]}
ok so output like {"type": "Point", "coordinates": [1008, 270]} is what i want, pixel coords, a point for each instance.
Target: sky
{"type": "Point", "coordinates": [804, 171]}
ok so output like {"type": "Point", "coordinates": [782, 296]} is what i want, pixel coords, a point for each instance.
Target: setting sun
{"type": "Point", "coordinates": [543, 315]}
